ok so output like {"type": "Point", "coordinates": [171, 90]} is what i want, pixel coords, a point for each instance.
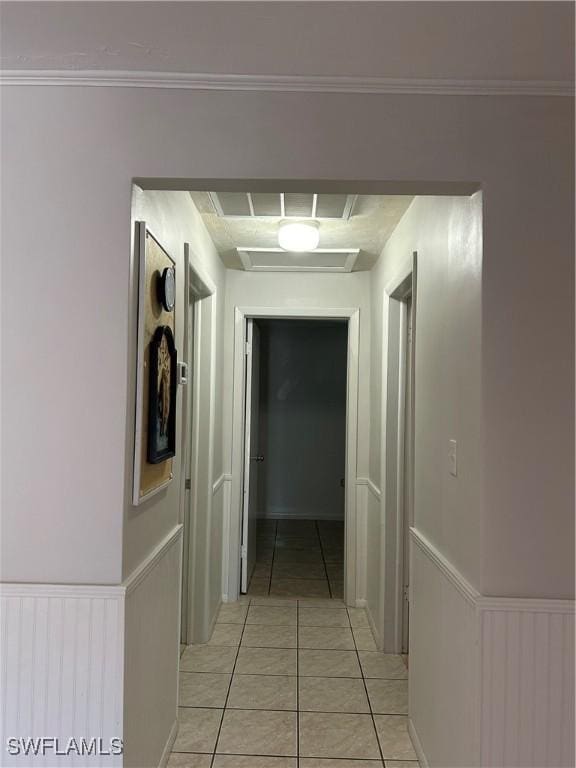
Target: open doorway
{"type": "Point", "coordinates": [295, 458]}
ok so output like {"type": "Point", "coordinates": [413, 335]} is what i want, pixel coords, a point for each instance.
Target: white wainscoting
{"type": "Point", "coordinates": [93, 662]}
{"type": "Point", "coordinates": [499, 670]}
{"type": "Point", "coordinates": [151, 654]}
{"type": "Point", "coordinates": [527, 679]}
{"type": "Point", "coordinates": [443, 681]}
{"type": "Point", "coordinates": [62, 668]}
{"type": "Point", "coordinates": [223, 488]}
{"type": "Point", "coordinates": [369, 553]}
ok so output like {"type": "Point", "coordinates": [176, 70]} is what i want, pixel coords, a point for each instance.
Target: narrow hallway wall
{"type": "Point", "coordinates": [152, 535]}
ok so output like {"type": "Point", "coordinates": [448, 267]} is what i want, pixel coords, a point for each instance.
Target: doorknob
{"type": "Point", "coordinates": [257, 458]}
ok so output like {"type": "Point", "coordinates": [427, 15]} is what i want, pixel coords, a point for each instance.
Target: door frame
{"type": "Point", "coordinates": [241, 314]}
{"type": "Point", "coordinates": [198, 288]}
{"type": "Point", "coordinates": [393, 450]}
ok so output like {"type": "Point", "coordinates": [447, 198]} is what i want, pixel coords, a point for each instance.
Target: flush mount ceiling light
{"type": "Point", "coordinates": [298, 236]}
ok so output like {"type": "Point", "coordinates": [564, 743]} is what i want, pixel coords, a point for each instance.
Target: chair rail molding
{"type": "Point", "coordinates": [285, 83]}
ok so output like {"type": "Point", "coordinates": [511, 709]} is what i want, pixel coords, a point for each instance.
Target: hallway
{"type": "Point", "coordinates": [299, 558]}
{"type": "Point", "coordinates": [287, 683]}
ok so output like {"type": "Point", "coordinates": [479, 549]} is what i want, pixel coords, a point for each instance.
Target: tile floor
{"type": "Point", "coordinates": [292, 683]}
{"type": "Point", "coordinates": [299, 558]}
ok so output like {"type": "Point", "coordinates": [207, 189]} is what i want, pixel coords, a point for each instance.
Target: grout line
{"type": "Point", "coordinates": [323, 558]}
{"type": "Point", "coordinates": [368, 697]}
{"type": "Point", "coordinates": [273, 558]}
{"type": "Point", "coordinates": [229, 686]}
{"type": "Point", "coordinates": [297, 685]}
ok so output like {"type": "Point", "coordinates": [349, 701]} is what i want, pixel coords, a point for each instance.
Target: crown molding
{"type": "Point", "coordinates": [285, 83]}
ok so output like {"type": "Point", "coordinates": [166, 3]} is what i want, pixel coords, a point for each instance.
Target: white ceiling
{"type": "Point", "coordinates": [373, 219]}
{"type": "Point", "coordinates": [461, 40]}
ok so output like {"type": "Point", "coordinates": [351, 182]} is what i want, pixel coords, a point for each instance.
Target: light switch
{"type": "Point", "coordinates": [453, 457]}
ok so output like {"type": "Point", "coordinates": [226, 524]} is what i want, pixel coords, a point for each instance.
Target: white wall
{"type": "Point", "coordinates": [446, 234]}
{"type": "Point", "coordinates": [151, 641]}
{"type": "Point", "coordinates": [302, 419]}
{"type": "Point", "coordinates": [69, 156]}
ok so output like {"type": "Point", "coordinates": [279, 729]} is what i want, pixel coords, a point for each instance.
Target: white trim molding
{"type": "Point", "coordinates": [285, 83]}
{"type": "Point", "coordinates": [523, 662]}
{"type": "Point", "coordinates": [352, 543]}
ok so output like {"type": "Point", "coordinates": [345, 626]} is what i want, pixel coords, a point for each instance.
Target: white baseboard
{"type": "Point", "coordinates": [417, 745]}
{"type": "Point", "coordinates": [377, 638]}
{"type": "Point", "coordinates": [168, 748]}
{"type": "Point", "coordinates": [360, 603]}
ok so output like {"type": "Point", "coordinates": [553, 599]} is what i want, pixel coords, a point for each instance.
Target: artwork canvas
{"type": "Point", "coordinates": [162, 396]}
{"type": "Point", "coordinates": [155, 428]}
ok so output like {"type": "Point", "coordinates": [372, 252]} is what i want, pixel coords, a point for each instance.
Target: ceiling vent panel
{"type": "Point", "coordinates": [266, 204]}
{"type": "Point", "coordinates": [278, 260]}
{"type": "Point", "coordinates": [331, 206]}
{"type": "Point", "coordinates": [233, 204]}
{"type": "Point", "coordinates": [299, 205]}
{"type": "Point", "coordinates": [282, 205]}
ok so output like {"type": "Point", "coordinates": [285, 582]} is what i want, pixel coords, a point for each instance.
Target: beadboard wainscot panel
{"type": "Point", "coordinates": [62, 670]}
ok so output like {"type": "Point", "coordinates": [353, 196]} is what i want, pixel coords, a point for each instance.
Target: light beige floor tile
{"type": "Point", "coordinates": [318, 762]}
{"type": "Point", "coordinates": [320, 602]}
{"type": "Point", "coordinates": [298, 556]}
{"type": "Point", "coordinates": [259, 586]}
{"type": "Point", "coordinates": [332, 694]}
{"type": "Point", "coordinates": [300, 587]}
{"type": "Point", "coordinates": [394, 739]}
{"type": "Point", "coordinates": [328, 664]}
{"type": "Point", "coordinates": [387, 666]}
{"type": "Point", "coordinates": [262, 571]}
{"type": "Point", "coordinates": [284, 616]}
{"type": "Point", "coordinates": [266, 661]}
{"type": "Point", "coordinates": [263, 692]}
{"type": "Point", "coordinates": [298, 571]}
{"type": "Point", "coordinates": [262, 636]}
{"type": "Point", "coordinates": [297, 542]}
{"type": "Point", "coordinates": [343, 736]}
{"type": "Point", "coordinates": [364, 639]}
{"type": "Point", "coordinates": [251, 761]}
{"type": "Point", "coordinates": [388, 697]}
{"type": "Point", "coordinates": [322, 617]}
{"type": "Point", "coordinates": [197, 730]}
{"type": "Point", "coordinates": [358, 618]}
{"type": "Point", "coordinates": [201, 689]}
{"type": "Point", "coordinates": [271, 601]}
{"type": "Point", "coordinates": [399, 764]}
{"type": "Point", "coordinates": [337, 588]}
{"type": "Point", "coordinates": [233, 613]}
{"type": "Point", "coordinates": [208, 658]}
{"type": "Point", "coordinates": [226, 634]}
{"type": "Point", "coordinates": [335, 571]}
{"type": "Point", "coordinates": [329, 638]}
{"type": "Point", "coordinates": [182, 760]}
{"type": "Point", "coordinates": [248, 732]}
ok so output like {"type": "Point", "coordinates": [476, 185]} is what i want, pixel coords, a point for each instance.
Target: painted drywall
{"type": "Point", "coordinates": [446, 233]}
{"type": "Point", "coordinates": [302, 419]}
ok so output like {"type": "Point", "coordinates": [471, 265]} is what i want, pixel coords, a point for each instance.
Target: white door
{"type": "Point", "coordinates": [252, 457]}
{"type": "Point", "coordinates": [408, 472]}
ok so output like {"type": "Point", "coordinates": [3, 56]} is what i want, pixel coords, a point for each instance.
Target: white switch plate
{"type": "Point", "coordinates": [453, 457]}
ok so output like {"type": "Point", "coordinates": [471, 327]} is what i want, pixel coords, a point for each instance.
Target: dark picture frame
{"type": "Point", "coordinates": [162, 396]}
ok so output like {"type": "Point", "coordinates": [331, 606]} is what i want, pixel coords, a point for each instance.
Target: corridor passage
{"type": "Point", "coordinates": [299, 558]}
{"type": "Point", "coordinates": [292, 683]}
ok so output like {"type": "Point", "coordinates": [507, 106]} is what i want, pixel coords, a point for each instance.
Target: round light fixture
{"type": "Point", "coordinates": [298, 236]}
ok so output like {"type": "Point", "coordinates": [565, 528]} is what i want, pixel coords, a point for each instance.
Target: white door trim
{"type": "Point", "coordinates": [241, 314]}
{"type": "Point", "coordinates": [201, 287]}
{"type": "Point", "coordinates": [392, 469]}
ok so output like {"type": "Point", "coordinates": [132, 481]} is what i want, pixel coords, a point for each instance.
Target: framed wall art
{"type": "Point", "coordinates": [156, 374]}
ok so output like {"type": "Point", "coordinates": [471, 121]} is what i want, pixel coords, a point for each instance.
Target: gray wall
{"type": "Point", "coordinates": [302, 418]}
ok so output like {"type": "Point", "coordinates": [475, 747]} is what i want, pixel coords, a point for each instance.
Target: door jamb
{"type": "Point", "coordinates": [199, 286]}
{"type": "Point", "coordinates": [393, 488]}
{"type": "Point", "coordinates": [241, 314]}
